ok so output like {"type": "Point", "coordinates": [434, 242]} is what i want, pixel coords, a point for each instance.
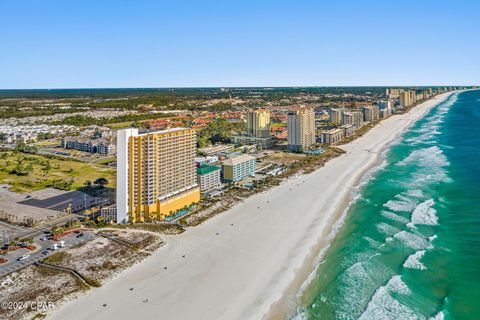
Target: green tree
{"type": "Point", "coordinates": [101, 182]}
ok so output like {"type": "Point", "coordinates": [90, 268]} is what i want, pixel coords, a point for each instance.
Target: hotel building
{"type": "Point", "coordinates": [156, 173]}
{"type": "Point", "coordinates": [301, 129]}
{"type": "Point", "coordinates": [238, 168]}
{"type": "Point", "coordinates": [208, 177]}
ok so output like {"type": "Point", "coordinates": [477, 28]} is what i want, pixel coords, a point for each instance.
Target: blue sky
{"type": "Point", "coordinates": [103, 43]}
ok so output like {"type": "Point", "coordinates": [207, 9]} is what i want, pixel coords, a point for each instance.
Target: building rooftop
{"type": "Point", "coordinates": [165, 131]}
{"type": "Point", "coordinates": [207, 169]}
{"type": "Point", "coordinates": [238, 159]}
{"type": "Point", "coordinates": [332, 131]}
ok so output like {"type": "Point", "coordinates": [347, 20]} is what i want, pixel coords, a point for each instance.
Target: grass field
{"type": "Point", "coordinates": [47, 143]}
{"type": "Point", "coordinates": [28, 172]}
{"type": "Point", "coordinates": [120, 125]}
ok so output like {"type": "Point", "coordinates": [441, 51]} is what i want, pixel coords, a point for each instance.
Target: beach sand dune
{"type": "Point", "coordinates": [265, 247]}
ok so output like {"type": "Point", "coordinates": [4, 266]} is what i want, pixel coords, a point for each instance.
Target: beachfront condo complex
{"type": "Point", "coordinates": [156, 174]}
{"type": "Point", "coordinates": [237, 168]}
{"type": "Point", "coordinates": [301, 129]}
{"type": "Point", "coordinates": [407, 98]}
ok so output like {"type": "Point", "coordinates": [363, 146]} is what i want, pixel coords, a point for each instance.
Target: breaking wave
{"type": "Point", "coordinates": [425, 214]}
{"type": "Point", "coordinates": [383, 306]}
{"type": "Point", "coordinates": [413, 261]}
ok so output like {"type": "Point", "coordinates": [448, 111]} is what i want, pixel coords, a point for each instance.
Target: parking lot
{"type": "Point", "coordinates": [44, 247]}
{"type": "Point", "coordinates": [9, 231]}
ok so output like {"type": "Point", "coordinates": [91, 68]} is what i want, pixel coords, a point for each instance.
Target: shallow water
{"type": "Point", "coordinates": [410, 245]}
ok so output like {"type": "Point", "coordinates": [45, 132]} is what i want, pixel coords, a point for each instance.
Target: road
{"type": "Point", "coordinates": [21, 232]}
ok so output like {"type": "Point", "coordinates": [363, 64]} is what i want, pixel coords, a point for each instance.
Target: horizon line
{"type": "Point", "coordinates": [239, 87]}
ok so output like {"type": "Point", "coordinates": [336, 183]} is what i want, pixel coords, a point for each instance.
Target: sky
{"type": "Point", "coordinates": [206, 43]}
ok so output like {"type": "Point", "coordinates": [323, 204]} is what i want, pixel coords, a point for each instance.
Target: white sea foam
{"type": "Point", "coordinates": [412, 240]}
{"type": "Point", "coordinates": [414, 193]}
{"type": "Point", "coordinates": [386, 228]}
{"type": "Point", "coordinates": [354, 282]}
{"type": "Point", "coordinates": [428, 175]}
{"type": "Point", "coordinates": [373, 243]}
{"type": "Point", "coordinates": [427, 157]}
{"type": "Point", "coordinates": [413, 261]}
{"type": "Point", "coordinates": [357, 284]}
{"type": "Point", "coordinates": [425, 214]}
{"type": "Point", "coordinates": [438, 316]}
{"type": "Point", "coordinates": [426, 137]}
{"type": "Point", "coordinates": [431, 128]}
{"type": "Point", "coordinates": [383, 306]}
{"type": "Point", "coordinates": [301, 316]}
{"type": "Point", "coordinates": [394, 217]}
{"type": "Point", "coordinates": [395, 284]}
{"type": "Point", "coordinates": [400, 205]}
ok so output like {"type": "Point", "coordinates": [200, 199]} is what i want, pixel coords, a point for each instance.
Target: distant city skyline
{"type": "Point", "coordinates": [151, 44]}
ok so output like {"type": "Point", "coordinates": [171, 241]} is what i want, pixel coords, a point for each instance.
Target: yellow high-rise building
{"type": "Point", "coordinates": [407, 98]}
{"type": "Point", "coordinates": [156, 174]}
{"type": "Point", "coordinates": [258, 123]}
{"type": "Point", "coordinates": [301, 129]}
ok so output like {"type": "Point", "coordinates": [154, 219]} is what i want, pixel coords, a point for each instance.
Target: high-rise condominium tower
{"type": "Point", "coordinates": [301, 129]}
{"type": "Point", "coordinates": [156, 174]}
{"type": "Point", "coordinates": [258, 123]}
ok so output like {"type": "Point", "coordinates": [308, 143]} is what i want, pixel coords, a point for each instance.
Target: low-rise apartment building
{"type": "Point", "coordinates": [251, 140]}
{"type": "Point", "coordinates": [238, 168]}
{"type": "Point", "coordinates": [333, 136]}
{"type": "Point", "coordinates": [88, 145]}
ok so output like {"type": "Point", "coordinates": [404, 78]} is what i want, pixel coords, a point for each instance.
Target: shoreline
{"type": "Point", "coordinates": [265, 248]}
{"type": "Point", "coordinates": [300, 288]}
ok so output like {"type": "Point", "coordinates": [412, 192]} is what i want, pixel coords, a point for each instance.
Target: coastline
{"type": "Point", "coordinates": [254, 267]}
{"type": "Point", "coordinates": [285, 308]}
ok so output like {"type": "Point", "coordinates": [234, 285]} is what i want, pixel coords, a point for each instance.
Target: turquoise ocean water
{"type": "Point", "coordinates": [409, 247]}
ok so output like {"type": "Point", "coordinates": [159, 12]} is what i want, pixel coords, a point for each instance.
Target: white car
{"type": "Point", "coordinates": [25, 256]}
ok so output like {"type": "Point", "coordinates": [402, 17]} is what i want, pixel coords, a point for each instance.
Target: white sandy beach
{"type": "Point", "coordinates": [266, 254]}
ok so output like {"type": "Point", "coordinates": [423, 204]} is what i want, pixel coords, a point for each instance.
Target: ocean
{"type": "Point", "coordinates": [409, 247]}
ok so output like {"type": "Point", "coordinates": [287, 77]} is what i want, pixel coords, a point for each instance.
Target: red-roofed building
{"type": "Point", "coordinates": [157, 123]}
{"type": "Point", "coordinates": [199, 121]}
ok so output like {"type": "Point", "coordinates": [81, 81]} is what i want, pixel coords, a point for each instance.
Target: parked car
{"type": "Point", "coordinates": [24, 257]}
{"type": "Point", "coordinates": [79, 235]}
